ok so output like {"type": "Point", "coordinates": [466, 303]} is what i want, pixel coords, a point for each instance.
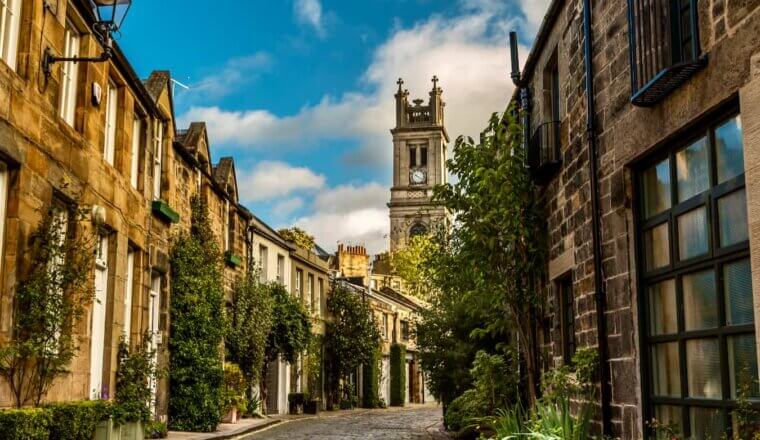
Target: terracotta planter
{"type": "Point", "coordinates": [232, 415]}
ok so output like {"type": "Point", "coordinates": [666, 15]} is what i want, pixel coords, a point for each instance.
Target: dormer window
{"type": "Point", "coordinates": [664, 45]}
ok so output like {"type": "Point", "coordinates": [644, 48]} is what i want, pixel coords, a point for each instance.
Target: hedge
{"type": "Point", "coordinates": [59, 421]}
{"type": "Point", "coordinates": [398, 374]}
{"type": "Point", "coordinates": [370, 381]}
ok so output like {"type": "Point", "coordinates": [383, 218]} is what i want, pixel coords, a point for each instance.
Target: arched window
{"type": "Point", "coordinates": [418, 229]}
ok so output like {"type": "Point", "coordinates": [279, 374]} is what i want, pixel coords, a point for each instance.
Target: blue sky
{"type": "Point", "coordinates": [300, 92]}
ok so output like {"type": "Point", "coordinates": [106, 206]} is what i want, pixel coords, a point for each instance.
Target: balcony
{"type": "Point", "coordinates": [544, 157]}
{"type": "Point", "coordinates": [664, 46]}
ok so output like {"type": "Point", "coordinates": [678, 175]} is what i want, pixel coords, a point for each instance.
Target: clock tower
{"type": "Point", "coordinates": [419, 163]}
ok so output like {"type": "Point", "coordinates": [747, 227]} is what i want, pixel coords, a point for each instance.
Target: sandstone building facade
{"type": "Point", "coordinates": [644, 132]}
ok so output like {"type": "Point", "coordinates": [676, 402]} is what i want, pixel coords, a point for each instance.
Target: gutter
{"type": "Point", "coordinates": [600, 295]}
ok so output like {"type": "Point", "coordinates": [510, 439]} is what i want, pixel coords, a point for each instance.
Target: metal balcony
{"type": "Point", "coordinates": [664, 47]}
{"type": "Point", "coordinates": [544, 157]}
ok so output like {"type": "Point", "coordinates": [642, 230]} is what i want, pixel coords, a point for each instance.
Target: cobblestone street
{"type": "Point", "coordinates": [415, 422]}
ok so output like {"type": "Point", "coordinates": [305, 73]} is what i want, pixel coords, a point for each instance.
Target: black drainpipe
{"type": "Point", "coordinates": [600, 295]}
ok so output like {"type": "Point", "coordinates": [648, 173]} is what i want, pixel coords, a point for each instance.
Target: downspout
{"type": "Point", "coordinates": [600, 295]}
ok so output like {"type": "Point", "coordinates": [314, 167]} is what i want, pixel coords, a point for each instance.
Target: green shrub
{"type": "Point", "coordinates": [371, 381]}
{"type": "Point", "coordinates": [133, 375]}
{"type": "Point", "coordinates": [464, 411]}
{"type": "Point", "coordinates": [25, 424]}
{"type": "Point", "coordinates": [398, 374]}
{"type": "Point", "coordinates": [155, 429]}
{"type": "Point", "coordinates": [235, 387]}
{"type": "Point", "coordinates": [77, 420]}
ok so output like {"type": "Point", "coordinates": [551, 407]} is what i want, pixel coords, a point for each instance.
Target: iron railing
{"type": "Point", "coordinates": [544, 156]}
{"type": "Point", "coordinates": [664, 47]}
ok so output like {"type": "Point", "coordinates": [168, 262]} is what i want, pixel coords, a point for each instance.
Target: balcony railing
{"type": "Point", "coordinates": [544, 155]}
{"type": "Point", "coordinates": [664, 47]}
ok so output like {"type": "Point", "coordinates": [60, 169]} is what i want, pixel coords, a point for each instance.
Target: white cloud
{"type": "Point", "coordinates": [287, 207]}
{"type": "Point", "coordinates": [309, 12]}
{"type": "Point", "coordinates": [271, 179]}
{"type": "Point", "coordinates": [367, 226]}
{"type": "Point", "coordinates": [347, 198]}
{"type": "Point", "coordinates": [468, 53]}
{"type": "Point", "coordinates": [534, 11]}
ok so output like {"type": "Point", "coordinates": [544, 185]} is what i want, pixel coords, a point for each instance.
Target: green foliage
{"type": "Point", "coordinates": [298, 236]}
{"type": "Point", "coordinates": [398, 374]}
{"type": "Point", "coordinates": [313, 365]}
{"type": "Point", "coordinates": [349, 399]}
{"type": "Point", "coordinates": [235, 388]}
{"type": "Point", "coordinates": [134, 373]}
{"type": "Point", "coordinates": [196, 336]}
{"type": "Point", "coordinates": [250, 322]}
{"type": "Point", "coordinates": [77, 420]}
{"type": "Point", "coordinates": [253, 406]}
{"type": "Point", "coordinates": [407, 263]}
{"type": "Point", "coordinates": [464, 411]}
{"type": "Point", "coordinates": [548, 421]}
{"type": "Point", "coordinates": [352, 335]}
{"type": "Point", "coordinates": [291, 326]}
{"type": "Point", "coordinates": [496, 244]}
{"type": "Point", "coordinates": [371, 380]}
{"type": "Point", "coordinates": [577, 381]}
{"type": "Point", "coordinates": [25, 424]}
{"type": "Point", "coordinates": [155, 429]}
{"type": "Point", "coordinates": [496, 379]}
{"type": "Point", "coordinates": [746, 415]}
{"type": "Point", "coordinates": [50, 301]}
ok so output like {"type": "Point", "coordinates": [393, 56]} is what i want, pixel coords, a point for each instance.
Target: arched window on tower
{"type": "Point", "coordinates": [418, 229]}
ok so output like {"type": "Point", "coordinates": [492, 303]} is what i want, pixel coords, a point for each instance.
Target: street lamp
{"type": "Point", "coordinates": [109, 16]}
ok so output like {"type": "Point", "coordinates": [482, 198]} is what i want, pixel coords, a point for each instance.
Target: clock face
{"type": "Point", "coordinates": [418, 176]}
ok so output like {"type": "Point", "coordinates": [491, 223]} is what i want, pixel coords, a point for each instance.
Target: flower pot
{"type": "Point", "coordinates": [107, 430]}
{"type": "Point", "coordinates": [232, 415]}
{"type": "Point", "coordinates": [133, 431]}
{"type": "Point", "coordinates": [312, 406]}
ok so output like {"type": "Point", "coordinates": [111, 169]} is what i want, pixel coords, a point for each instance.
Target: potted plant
{"type": "Point", "coordinates": [312, 405]}
{"type": "Point", "coordinates": [296, 403]}
{"type": "Point", "coordinates": [233, 396]}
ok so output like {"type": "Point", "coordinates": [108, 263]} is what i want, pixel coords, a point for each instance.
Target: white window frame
{"type": "Point", "coordinates": [264, 262]}
{"type": "Point", "coordinates": [281, 268]}
{"type": "Point", "coordinates": [112, 105]}
{"type": "Point", "coordinates": [158, 157]}
{"type": "Point", "coordinates": [134, 160]}
{"type": "Point", "coordinates": [318, 300]}
{"type": "Point", "coordinates": [69, 74]}
{"type": "Point", "coordinates": [3, 209]}
{"type": "Point", "coordinates": [309, 300]}
{"type": "Point", "coordinates": [129, 293]}
{"type": "Point", "coordinates": [10, 21]}
{"type": "Point", "coordinates": [98, 322]}
{"type": "Point", "coordinates": [154, 310]}
{"type": "Point", "coordinates": [299, 280]}
{"type": "Point", "coordinates": [226, 225]}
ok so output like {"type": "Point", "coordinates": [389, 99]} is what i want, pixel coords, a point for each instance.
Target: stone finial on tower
{"type": "Point", "coordinates": [435, 82]}
{"type": "Point", "coordinates": [401, 103]}
{"type": "Point", "coordinates": [436, 103]}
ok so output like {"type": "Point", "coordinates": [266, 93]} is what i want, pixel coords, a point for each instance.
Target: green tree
{"type": "Point", "coordinates": [407, 263]}
{"type": "Point", "coordinates": [51, 298]}
{"type": "Point", "coordinates": [352, 335]}
{"type": "Point", "coordinates": [196, 376]}
{"type": "Point", "coordinates": [398, 374]}
{"type": "Point", "coordinates": [134, 372]}
{"type": "Point", "coordinates": [290, 332]}
{"type": "Point", "coordinates": [298, 236]}
{"type": "Point", "coordinates": [250, 321]}
{"type": "Point", "coordinates": [498, 235]}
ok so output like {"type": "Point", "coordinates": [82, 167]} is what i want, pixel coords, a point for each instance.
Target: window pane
{"type": "Point", "coordinates": [656, 182]}
{"type": "Point", "coordinates": [703, 368]}
{"type": "Point", "coordinates": [692, 170]}
{"type": "Point", "coordinates": [700, 302]}
{"type": "Point", "coordinates": [692, 234]}
{"type": "Point", "coordinates": [729, 151]}
{"type": "Point", "coordinates": [707, 423]}
{"type": "Point", "coordinates": [732, 214]}
{"type": "Point", "coordinates": [742, 365]}
{"type": "Point", "coordinates": [737, 284]}
{"type": "Point", "coordinates": [669, 417]}
{"type": "Point", "coordinates": [663, 316]}
{"type": "Point", "coordinates": [665, 370]}
{"type": "Point", "coordinates": [657, 243]}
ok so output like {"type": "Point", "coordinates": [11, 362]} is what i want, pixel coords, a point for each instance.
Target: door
{"type": "Point", "coordinates": [153, 319]}
{"type": "Point", "coordinates": [98, 324]}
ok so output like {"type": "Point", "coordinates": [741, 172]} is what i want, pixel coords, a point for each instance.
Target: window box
{"type": "Point", "coordinates": [232, 259]}
{"type": "Point", "coordinates": [164, 211]}
{"type": "Point", "coordinates": [664, 47]}
{"type": "Point", "coordinates": [544, 156]}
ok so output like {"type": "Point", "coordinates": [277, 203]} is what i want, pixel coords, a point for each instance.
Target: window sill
{"type": "Point", "coordinates": [666, 81]}
{"type": "Point", "coordinates": [162, 210]}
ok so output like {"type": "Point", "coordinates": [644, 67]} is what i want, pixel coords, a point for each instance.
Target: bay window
{"type": "Point", "coordinates": [10, 19]}
{"type": "Point", "coordinates": [696, 288]}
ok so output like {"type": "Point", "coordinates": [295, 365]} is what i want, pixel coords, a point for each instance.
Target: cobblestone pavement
{"type": "Point", "coordinates": [419, 422]}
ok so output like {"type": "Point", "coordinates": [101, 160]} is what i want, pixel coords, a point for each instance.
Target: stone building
{"type": "Point", "coordinates": [420, 143]}
{"type": "Point", "coordinates": [644, 133]}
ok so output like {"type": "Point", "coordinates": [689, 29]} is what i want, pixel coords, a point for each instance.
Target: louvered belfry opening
{"type": "Point", "coordinates": [664, 44]}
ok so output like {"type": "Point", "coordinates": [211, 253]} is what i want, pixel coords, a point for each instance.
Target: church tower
{"type": "Point", "coordinates": [419, 163]}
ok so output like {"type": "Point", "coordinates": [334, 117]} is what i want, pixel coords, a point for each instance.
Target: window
{"type": "Point", "coordinates": [264, 263]}
{"type": "Point", "coordinates": [544, 155]}
{"type": "Point", "coordinates": [154, 310]}
{"type": "Point", "coordinates": [412, 157]}
{"type": "Point", "coordinates": [280, 269]}
{"type": "Point", "coordinates": [418, 229]}
{"type": "Point", "coordinates": [385, 326]}
{"type": "Point", "coordinates": [98, 330]}
{"type": "Point", "coordinates": [226, 214]}
{"type": "Point", "coordinates": [664, 46]}
{"type": "Point", "coordinates": [231, 230]}
{"type": "Point", "coordinates": [567, 318]}
{"type": "Point", "coordinates": [134, 161]}
{"type": "Point", "coordinates": [423, 156]}
{"type": "Point", "coordinates": [299, 283]}
{"type": "Point", "coordinates": [320, 295]}
{"type": "Point", "coordinates": [10, 18]}
{"type": "Point", "coordinates": [128, 293]}
{"type": "Point", "coordinates": [4, 182]}
{"type": "Point", "coordinates": [69, 74]}
{"type": "Point", "coordinates": [158, 157]}
{"type": "Point", "coordinates": [696, 284]}
{"type": "Point", "coordinates": [112, 104]}
{"type": "Point", "coordinates": [405, 330]}
{"type": "Point", "coordinates": [310, 292]}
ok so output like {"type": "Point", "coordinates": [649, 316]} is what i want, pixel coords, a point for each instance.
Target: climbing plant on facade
{"type": "Point", "coordinates": [398, 374]}
{"type": "Point", "coordinates": [50, 301]}
{"type": "Point", "coordinates": [196, 376]}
